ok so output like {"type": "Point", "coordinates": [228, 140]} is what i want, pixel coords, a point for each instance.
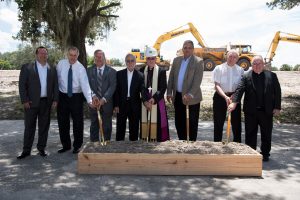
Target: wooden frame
{"type": "Point", "coordinates": [170, 164]}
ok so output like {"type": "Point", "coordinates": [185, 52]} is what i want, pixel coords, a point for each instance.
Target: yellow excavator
{"type": "Point", "coordinates": [279, 36]}
{"type": "Point", "coordinates": [211, 56]}
{"type": "Point", "coordinates": [140, 55]}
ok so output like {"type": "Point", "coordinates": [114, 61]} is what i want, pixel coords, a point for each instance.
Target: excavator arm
{"type": "Point", "coordinates": [280, 36]}
{"type": "Point", "coordinates": [177, 32]}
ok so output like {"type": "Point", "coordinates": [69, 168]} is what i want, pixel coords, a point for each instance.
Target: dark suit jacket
{"type": "Point", "coordinates": [137, 90]}
{"type": "Point", "coordinates": [162, 84]}
{"type": "Point", "coordinates": [272, 93]}
{"type": "Point", "coordinates": [109, 83]}
{"type": "Point", "coordinates": [30, 87]}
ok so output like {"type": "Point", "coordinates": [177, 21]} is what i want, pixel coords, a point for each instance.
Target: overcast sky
{"type": "Point", "coordinates": [219, 22]}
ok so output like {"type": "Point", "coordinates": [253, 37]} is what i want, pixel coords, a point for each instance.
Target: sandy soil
{"type": "Point", "coordinates": [173, 146]}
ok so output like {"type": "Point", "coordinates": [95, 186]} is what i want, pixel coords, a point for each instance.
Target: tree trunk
{"type": "Point", "coordinates": [78, 40]}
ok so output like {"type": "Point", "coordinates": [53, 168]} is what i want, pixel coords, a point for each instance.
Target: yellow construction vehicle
{"type": "Point", "coordinates": [216, 56]}
{"type": "Point", "coordinates": [279, 36]}
{"type": "Point", "coordinates": [211, 56]}
{"type": "Point", "coordinates": [140, 55]}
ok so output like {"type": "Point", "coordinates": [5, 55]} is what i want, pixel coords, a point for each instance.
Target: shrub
{"type": "Point", "coordinates": [5, 65]}
{"type": "Point", "coordinates": [286, 67]}
{"type": "Point", "coordinates": [274, 68]}
{"type": "Point", "coordinates": [296, 67]}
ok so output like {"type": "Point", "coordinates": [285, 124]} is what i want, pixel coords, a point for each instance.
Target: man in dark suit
{"type": "Point", "coordinates": [38, 88]}
{"type": "Point", "coordinates": [262, 100]}
{"type": "Point", "coordinates": [127, 100]}
{"type": "Point", "coordinates": [102, 79]}
{"type": "Point", "coordinates": [184, 89]}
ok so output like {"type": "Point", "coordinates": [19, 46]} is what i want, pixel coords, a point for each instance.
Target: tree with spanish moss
{"type": "Point", "coordinates": [283, 4]}
{"type": "Point", "coordinates": [67, 22]}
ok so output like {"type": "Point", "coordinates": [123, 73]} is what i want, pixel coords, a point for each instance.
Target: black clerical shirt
{"type": "Point", "coordinates": [259, 84]}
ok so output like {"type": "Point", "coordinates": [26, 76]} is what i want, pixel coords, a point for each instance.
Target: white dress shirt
{"type": "Point", "coordinates": [228, 77]}
{"type": "Point", "coordinates": [129, 78]}
{"type": "Point", "coordinates": [100, 69]}
{"type": "Point", "coordinates": [80, 81]}
{"type": "Point", "coordinates": [42, 70]}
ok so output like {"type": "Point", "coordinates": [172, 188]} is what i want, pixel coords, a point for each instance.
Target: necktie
{"type": "Point", "coordinates": [70, 77]}
{"type": "Point", "coordinates": [100, 83]}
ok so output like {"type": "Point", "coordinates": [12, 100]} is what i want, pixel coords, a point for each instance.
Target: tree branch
{"type": "Point", "coordinates": [107, 16]}
{"type": "Point", "coordinates": [107, 6]}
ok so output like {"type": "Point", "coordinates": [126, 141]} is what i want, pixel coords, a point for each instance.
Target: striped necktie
{"type": "Point", "coordinates": [99, 88]}
{"type": "Point", "coordinates": [70, 81]}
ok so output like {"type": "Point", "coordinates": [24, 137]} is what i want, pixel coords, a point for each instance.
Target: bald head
{"type": "Point", "coordinates": [257, 64]}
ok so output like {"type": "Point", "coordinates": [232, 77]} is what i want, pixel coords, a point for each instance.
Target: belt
{"type": "Point", "coordinates": [229, 93]}
{"type": "Point", "coordinates": [260, 108]}
{"type": "Point", "coordinates": [43, 98]}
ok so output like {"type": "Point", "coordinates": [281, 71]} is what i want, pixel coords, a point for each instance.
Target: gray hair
{"type": "Point", "coordinates": [130, 55]}
{"type": "Point", "coordinates": [233, 51]}
{"type": "Point", "coordinates": [257, 57]}
{"type": "Point", "coordinates": [188, 42]}
{"type": "Point", "coordinates": [100, 51]}
{"type": "Point", "coordinates": [73, 48]}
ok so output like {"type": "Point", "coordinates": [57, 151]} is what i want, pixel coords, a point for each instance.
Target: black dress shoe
{"type": "Point", "coordinates": [63, 150]}
{"type": "Point", "coordinates": [76, 150]}
{"type": "Point", "coordinates": [42, 153]}
{"type": "Point", "coordinates": [23, 155]}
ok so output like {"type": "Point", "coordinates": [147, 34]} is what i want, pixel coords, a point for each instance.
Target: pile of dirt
{"type": "Point", "coordinates": [173, 146]}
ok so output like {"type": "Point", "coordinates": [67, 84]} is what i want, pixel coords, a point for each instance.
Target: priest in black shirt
{"type": "Point", "coordinates": [262, 100]}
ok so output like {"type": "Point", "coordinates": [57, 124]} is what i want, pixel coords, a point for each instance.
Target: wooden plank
{"type": "Point", "coordinates": [170, 164]}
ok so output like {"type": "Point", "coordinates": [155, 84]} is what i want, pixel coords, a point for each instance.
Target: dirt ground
{"type": "Point", "coordinates": [172, 146]}
{"type": "Point", "coordinates": [289, 80]}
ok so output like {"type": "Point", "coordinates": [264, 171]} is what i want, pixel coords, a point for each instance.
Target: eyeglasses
{"type": "Point", "coordinates": [151, 58]}
{"type": "Point", "coordinates": [129, 61]}
{"type": "Point", "coordinates": [257, 63]}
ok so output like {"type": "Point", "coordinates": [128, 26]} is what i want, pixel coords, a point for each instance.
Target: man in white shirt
{"type": "Point", "coordinates": [73, 87]}
{"type": "Point", "coordinates": [38, 92]}
{"type": "Point", "coordinates": [226, 77]}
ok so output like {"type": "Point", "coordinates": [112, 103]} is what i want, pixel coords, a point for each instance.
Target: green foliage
{"type": "Point", "coordinates": [4, 65]}
{"type": "Point", "coordinates": [296, 67]}
{"type": "Point", "coordinates": [90, 60]}
{"type": "Point", "coordinates": [67, 23]}
{"type": "Point", "coordinates": [26, 54]}
{"type": "Point", "coordinates": [283, 4]}
{"type": "Point", "coordinates": [286, 67]}
{"type": "Point", "coordinates": [116, 62]}
{"type": "Point", "coordinates": [273, 68]}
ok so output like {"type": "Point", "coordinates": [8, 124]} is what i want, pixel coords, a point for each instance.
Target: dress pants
{"type": "Point", "coordinates": [106, 125]}
{"type": "Point", "coordinates": [133, 114]}
{"type": "Point", "coordinates": [265, 122]}
{"type": "Point", "coordinates": [70, 106]}
{"type": "Point", "coordinates": [219, 114]}
{"type": "Point", "coordinates": [180, 118]}
{"type": "Point", "coordinates": [42, 113]}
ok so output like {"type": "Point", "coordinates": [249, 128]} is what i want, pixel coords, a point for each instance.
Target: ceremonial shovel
{"type": "Point", "coordinates": [187, 123]}
{"type": "Point", "coordinates": [228, 129]}
{"type": "Point", "coordinates": [101, 134]}
{"type": "Point", "coordinates": [148, 125]}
